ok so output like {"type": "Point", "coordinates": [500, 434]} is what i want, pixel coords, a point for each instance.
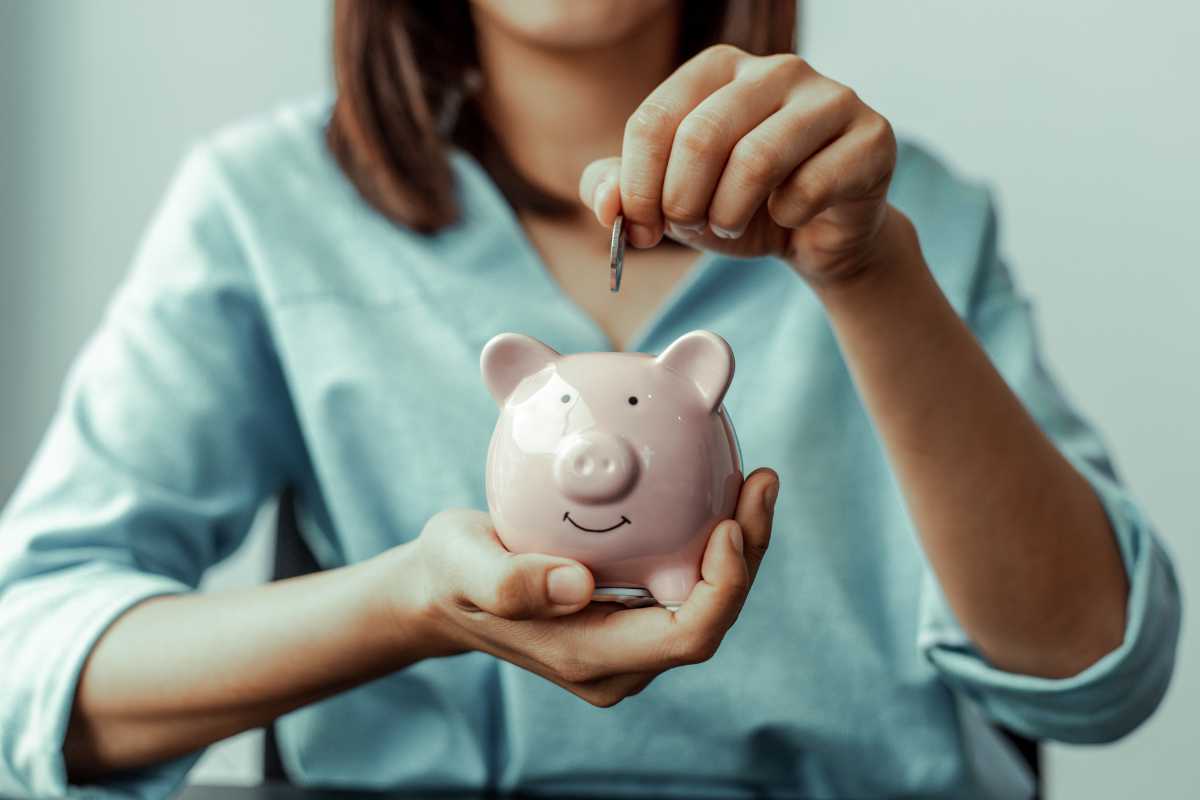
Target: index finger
{"type": "Point", "coordinates": [651, 130]}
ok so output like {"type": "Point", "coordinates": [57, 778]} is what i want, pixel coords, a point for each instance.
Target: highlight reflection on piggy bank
{"type": "Point", "coordinates": [623, 461]}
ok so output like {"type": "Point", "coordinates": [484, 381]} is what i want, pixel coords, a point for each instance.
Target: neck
{"type": "Point", "coordinates": [555, 111]}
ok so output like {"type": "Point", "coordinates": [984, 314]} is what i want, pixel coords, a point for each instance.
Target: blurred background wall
{"type": "Point", "coordinates": [1081, 113]}
{"type": "Point", "coordinates": [98, 102]}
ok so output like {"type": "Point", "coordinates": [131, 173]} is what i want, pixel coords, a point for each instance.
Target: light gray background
{"type": "Point", "coordinates": [1082, 114]}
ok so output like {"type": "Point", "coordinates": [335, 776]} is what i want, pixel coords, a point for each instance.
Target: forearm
{"type": "Point", "coordinates": [1019, 541]}
{"type": "Point", "coordinates": [176, 673]}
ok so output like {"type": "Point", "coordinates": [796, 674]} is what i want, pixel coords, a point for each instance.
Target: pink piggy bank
{"type": "Point", "coordinates": [623, 461]}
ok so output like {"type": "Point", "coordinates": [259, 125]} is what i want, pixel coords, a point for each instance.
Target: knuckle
{"type": "Point", "coordinates": [788, 64]}
{"type": "Point", "coordinates": [447, 531]}
{"type": "Point", "coordinates": [678, 211]}
{"type": "Point", "coordinates": [638, 204]}
{"type": "Point", "coordinates": [453, 518]}
{"type": "Point", "coordinates": [651, 123]}
{"type": "Point", "coordinates": [884, 139]}
{"type": "Point", "coordinates": [437, 525]}
{"type": "Point", "coordinates": [880, 131]}
{"type": "Point", "coordinates": [722, 53]}
{"type": "Point", "coordinates": [511, 596]}
{"type": "Point", "coordinates": [440, 519]}
{"type": "Point", "coordinates": [875, 175]}
{"type": "Point", "coordinates": [700, 133]}
{"type": "Point", "coordinates": [843, 96]}
{"type": "Point", "coordinates": [862, 184]}
{"type": "Point", "coordinates": [756, 160]}
{"type": "Point", "coordinates": [501, 603]}
{"type": "Point", "coordinates": [784, 212]}
{"type": "Point", "coordinates": [805, 194]}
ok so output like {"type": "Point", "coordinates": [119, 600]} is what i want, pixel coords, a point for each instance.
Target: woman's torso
{"type": "Point", "coordinates": [819, 689]}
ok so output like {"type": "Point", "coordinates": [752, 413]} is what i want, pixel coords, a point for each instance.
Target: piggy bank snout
{"type": "Point", "coordinates": [595, 467]}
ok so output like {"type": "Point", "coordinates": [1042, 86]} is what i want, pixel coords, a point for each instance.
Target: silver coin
{"type": "Point", "coordinates": [625, 595]}
{"type": "Point", "coordinates": [616, 255]}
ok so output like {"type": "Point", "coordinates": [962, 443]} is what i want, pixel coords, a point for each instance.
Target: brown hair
{"type": "Point", "coordinates": [405, 75]}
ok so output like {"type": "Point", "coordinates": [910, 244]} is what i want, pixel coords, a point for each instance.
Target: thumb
{"type": "Point", "coordinates": [512, 586]}
{"type": "Point", "coordinates": [471, 566]}
{"type": "Point", "coordinates": [598, 189]}
{"type": "Point", "coordinates": [532, 587]}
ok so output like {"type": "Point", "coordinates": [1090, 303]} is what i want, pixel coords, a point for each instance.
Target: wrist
{"type": "Point", "coordinates": [400, 611]}
{"type": "Point", "coordinates": [892, 262]}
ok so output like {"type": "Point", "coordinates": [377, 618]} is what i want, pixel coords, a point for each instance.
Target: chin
{"type": "Point", "coordinates": [570, 24]}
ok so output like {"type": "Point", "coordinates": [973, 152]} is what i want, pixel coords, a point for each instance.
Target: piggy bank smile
{"type": "Point", "coordinates": [623, 521]}
{"type": "Point", "coordinates": [587, 443]}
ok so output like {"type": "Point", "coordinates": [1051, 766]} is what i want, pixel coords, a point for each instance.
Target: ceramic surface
{"type": "Point", "coordinates": [623, 461]}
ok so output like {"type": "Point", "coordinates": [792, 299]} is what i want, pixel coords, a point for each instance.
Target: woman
{"type": "Point", "coordinates": [953, 551]}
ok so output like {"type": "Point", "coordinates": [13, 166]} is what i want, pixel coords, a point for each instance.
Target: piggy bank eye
{"type": "Point", "coordinates": [566, 398]}
{"type": "Point", "coordinates": [633, 401]}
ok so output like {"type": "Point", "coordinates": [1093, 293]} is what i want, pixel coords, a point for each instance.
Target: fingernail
{"type": "Point", "coordinates": [724, 233]}
{"type": "Point", "coordinates": [640, 235]}
{"type": "Point", "coordinates": [567, 586]}
{"type": "Point", "coordinates": [602, 189]}
{"type": "Point", "coordinates": [770, 496]}
{"type": "Point", "coordinates": [735, 538]}
{"type": "Point", "coordinates": [677, 231]}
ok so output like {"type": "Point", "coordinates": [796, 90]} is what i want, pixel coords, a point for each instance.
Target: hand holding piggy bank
{"type": "Point", "coordinates": [623, 461]}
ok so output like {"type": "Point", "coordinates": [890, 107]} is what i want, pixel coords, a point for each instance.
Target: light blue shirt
{"type": "Point", "coordinates": [276, 331]}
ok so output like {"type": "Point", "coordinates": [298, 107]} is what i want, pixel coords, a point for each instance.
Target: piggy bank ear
{"type": "Point", "coordinates": [509, 358]}
{"type": "Point", "coordinates": [706, 360]}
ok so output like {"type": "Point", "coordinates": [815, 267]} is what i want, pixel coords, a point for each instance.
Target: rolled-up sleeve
{"type": "Point", "coordinates": [1114, 695]}
{"type": "Point", "coordinates": [172, 429]}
